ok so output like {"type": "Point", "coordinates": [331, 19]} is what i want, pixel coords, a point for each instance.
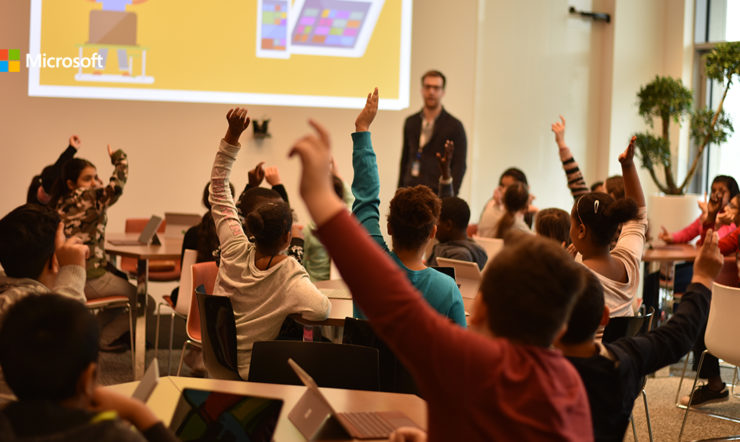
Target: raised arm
{"type": "Point", "coordinates": [228, 225]}
{"type": "Point", "coordinates": [445, 188]}
{"type": "Point", "coordinates": [272, 176]}
{"type": "Point", "coordinates": [109, 194]}
{"type": "Point", "coordinates": [366, 181]}
{"type": "Point", "coordinates": [632, 187]}
{"type": "Point", "coordinates": [459, 157]}
{"type": "Point", "coordinates": [576, 183]}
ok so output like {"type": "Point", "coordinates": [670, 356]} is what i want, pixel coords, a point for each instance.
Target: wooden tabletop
{"type": "Point", "coordinates": [164, 400]}
{"type": "Point", "coordinates": [170, 249]}
{"type": "Point", "coordinates": [670, 253]}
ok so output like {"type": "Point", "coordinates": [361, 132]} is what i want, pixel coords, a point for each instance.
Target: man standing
{"type": "Point", "coordinates": [424, 136]}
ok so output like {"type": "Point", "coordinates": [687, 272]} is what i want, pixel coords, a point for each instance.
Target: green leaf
{"type": "Point", "coordinates": [701, 123]}
{"type": "Point", "coordinates": [653, 151]}
{"type": "Point", "coordinates": [723, 62]}
{"type": "Point", "coordinates": [663, 98]}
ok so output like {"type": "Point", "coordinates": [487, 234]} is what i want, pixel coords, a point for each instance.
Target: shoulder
{"type": "Point", "coordinates": [448, 118]}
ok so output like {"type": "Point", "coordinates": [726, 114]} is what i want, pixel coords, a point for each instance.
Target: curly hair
{"type": "Point", "coordinates": [269, 223]}
{"type": "Point", "coordinates": [602, 214]}
{"type": "Point", "coordinates": [413, 214]}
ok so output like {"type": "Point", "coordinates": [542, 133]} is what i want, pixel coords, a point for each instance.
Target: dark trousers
{"type": "Point", "coordinates": [710, 367]}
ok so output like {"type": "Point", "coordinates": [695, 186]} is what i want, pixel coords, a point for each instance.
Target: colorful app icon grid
{"type": "Point", "coordinates": [274, 24]}
{"type": "Point", "coordinates": [330, 23]}
{"type": "Point", "coordinates": [10, 60]}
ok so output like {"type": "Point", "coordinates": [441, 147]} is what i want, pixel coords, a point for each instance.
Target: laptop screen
{"type": "Point", "coordinates": [210, 415]}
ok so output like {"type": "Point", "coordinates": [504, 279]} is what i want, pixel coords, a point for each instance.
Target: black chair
{"type": "Point", "coordinates": [219, 335]}
{"type": "Point", "coordinates": [331, 365]}
{"type": "Point", "coordinates": [394, 377]}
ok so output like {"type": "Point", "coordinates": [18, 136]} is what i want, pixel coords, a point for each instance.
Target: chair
{"type": "Point", "coordinates": [720, 337]}
{"type": "Point", "coordinates": [394, 377]}
{"type": "Point", "coordinates": [625, 327]}
{"type": "Point", "coordinates": [203, 273]}
{"type": "Point", "coordinates": [159, 269]}
{"type": "Point", "coordinates": [180, 309]}
{"type": "Point", "coordinates": [116, 301]}
{"type": "Point", "coordinates": [219, 339]}
{"type": "Point", "coordinates": [331, 365]}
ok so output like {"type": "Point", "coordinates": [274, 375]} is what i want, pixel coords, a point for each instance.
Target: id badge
{"type": "Point", "coordinates": [415, 166]}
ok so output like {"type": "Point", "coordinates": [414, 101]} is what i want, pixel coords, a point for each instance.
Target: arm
{"type": "Point", "coordinates": [109, 194]}
{"type": "Point", "coordinates": [632, 187]}
{"type": "Point", "coordinates": [459, 158]}
{"type": "Point", "coordinates": [71, 255]}
{"type": "Point", "coordinates": [729, 243]}
{"type": "Point", "coordinates": [404, 156]}
{"type": "Point", "coordinates": [133, 411]}
{"type": "Point", "coordinates": [576, 183]}
{"type": "Point", "coordinates": [228, 226]}
{"type": "Point", "coordinates": [254, 179]}
{"type": "Point", "coordinates": [310, 302]}
{"type": "Point", "coordinates": [445, 178]}
{"type": "Point", "coordinates": [684, 235]}
{"type": "Point", "coordinates": [272, 176]}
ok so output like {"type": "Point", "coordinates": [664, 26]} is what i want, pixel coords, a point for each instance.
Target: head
{"type": "Point", "coordinates": [453, 219]}
{"type": "Point", "coordinates": [27, 241]}
{"type": "Point", "coordinates": [733, 207]}
{"type": "Point", "coordinates": [598, 187]}
{"type": "Point", "coordinates": [553, 223]}
{"type": "Point", "coordinates": [269, 225]}
{"type": "Point", "coordinates": [78, 173]}
{"type": "Point", "coordinates": [254, 198]}
{"type": "Point", "coordinates": [588, 313]}
{"type": "Point", "coordinates": [527, 291]}
{"type": "Point", "coordinates": [49, 348]}
{"type": "Point", "coordinates": [34, 190]}
{"type": "Point", "coordinates": [413, 216]}
{"type": "Point", "coordinates": [724, 188]}
{"type": "Point", "coordinates": [596, 217]}
{"type": "Point", "coordinates": [510, 176]}
{"type": "Point", "coordinates": [614, 186]}
{"type": "Point", "coordinates": [433, 85]}
{"type": "Point", "coordinates": [516, 197]}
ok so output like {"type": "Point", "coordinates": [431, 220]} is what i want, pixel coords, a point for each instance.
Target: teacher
{"type": "Point", "coordinates": [424, 135]}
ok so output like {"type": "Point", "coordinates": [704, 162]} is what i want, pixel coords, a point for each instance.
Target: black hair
{"type": "Point", "coordinates": [515, 199]}
{"type": "Point", "coordinates": [338, 186]}
{"type": "Point", "coordinates": [553, 223]}
{"type": "Point", "coordinates": [515, 173]}
{"type": "Point", "coordinates": [587, 311]}
{"type": "Point", "coordinates": [456, 210]}
{"type": "Point", "coordinates": [268, 224]}
{"type": "Point", "coordinates": [46, 342]}
{"type": "Point", "coordinates": [729, 182]}
{"type": "Point", "coordinates": [529, 289]}
{"type": "Point", "coordinates": [413, 214]}
{"type": "Point", "coordinates": [27, 240]}
{"type": "Point", "coordinates": [207, 238]}
{"type": "Point", "coordinates": [71, 171]}
{"type": "Point", "coordinates": [254, 197]}
{"type": "Point", "coordinates": [602, 215]}
{"type": "Point", "coordinates": [614, 186]}
{"type": "Point", "coordinates": [596, 185]}
{"type": "Point", "coordinates": [434, 73]}
{"type": "Point", "coordinates": [33, 190]}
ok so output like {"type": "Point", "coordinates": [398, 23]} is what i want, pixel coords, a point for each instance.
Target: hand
{"type": "Point", "coordinates": [75, 142]}
{"type": "Point", "coordinates": [256, 175]}
{"type": "Point", "coordinates": [110, 151]}
{"type": "Point", "coordinates": [272, 176]}
{"type": "Point", "coordinates": [572, 250]}
{"type": "Point", "coordinates": [498, 195]}
{"type": "Point", "coordinates": [367, 114]}
{"type": "Point", "coordinates": [724, 218]}
{"type": "Point", "coordinates": [238, 122]}
{"type": "Point", "coordinates": [709, 261]}
{"type": "Point", "coordinates": [444, 160]}
{"type": "Point", "coordinates": [408, 434]}
{"type": "Point", "coordinates": [296, 231]}
{"type": "Point", "coordinates": [558, 129]}
{"type": "Point", "coordinates": [713, 206]}
{"type": "Point", "coordinates": [127, 408]}
{"type": "Point", "coordinates": [627, 157]}
{"type": "Point", "coordinates": [69, 251]}
{"type": "Point", "coordinates": [665, 236]}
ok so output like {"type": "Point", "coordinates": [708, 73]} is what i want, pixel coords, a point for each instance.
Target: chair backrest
{"type": "Point", "coordinates": [728, 274]}
{"type": "Point", "coordinates": [491, 245]}
{"type": "Point", "coordinates": [185, 293]}
{"type": "Point", "coordinates": [723, 326]}
{"type": "Point", "coordinates": [204, 273]}
{"type": "Point", "coordinates": [626, 326]}
{"type": "Point", "coordinates": [394, 377]}
{"type": "Point", "coordinates": [179, 223]}
{"type": "Point", "coordinates": [219, 337]}
{"type": "Point", "coordinates": [136, 225]}
{"type": "Point", "coordinates": [331, 365]}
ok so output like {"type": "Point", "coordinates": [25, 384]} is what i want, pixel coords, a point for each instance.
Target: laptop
{"type": "Point", "coordinates": [148, 382]}
{"type": "Point", "coordinates": [216, 416]}
{"type": "Point", "coordinates": [314, 416]}
{"type": "Point", "coordinates": [148, 235]}
{"type": "Point", "coordinates": [467, 275]}
{"type": "Point", "coordinates": [491, 245]}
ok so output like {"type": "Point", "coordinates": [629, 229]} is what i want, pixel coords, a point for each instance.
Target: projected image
{"type": "Point", "coordinates": [316, 53]}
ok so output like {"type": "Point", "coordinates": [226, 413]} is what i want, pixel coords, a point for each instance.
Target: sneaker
{"type": "Point", "coordinates": [705, 395]}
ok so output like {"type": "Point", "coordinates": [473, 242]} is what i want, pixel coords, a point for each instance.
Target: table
{"type": "Point", "coordinates": [170, 249]}
{"type": "Point", "coordinates": [670, 253]}
{"type": "Point", "coordinates": [164, 399]}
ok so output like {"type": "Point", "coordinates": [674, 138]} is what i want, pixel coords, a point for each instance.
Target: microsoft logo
{"type": "Point", "coordinates": [10, 60]}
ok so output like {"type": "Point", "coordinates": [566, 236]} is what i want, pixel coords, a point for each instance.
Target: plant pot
{"type": "Point", "coordinates": [674, 212]}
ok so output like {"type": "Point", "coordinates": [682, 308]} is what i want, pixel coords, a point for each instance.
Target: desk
{"type": "Point", "coordinates": [170, 249]}
{"type": "Point", "coordinates": [670, 253]}
{"type": "Point", "coordinates": [164, 399]}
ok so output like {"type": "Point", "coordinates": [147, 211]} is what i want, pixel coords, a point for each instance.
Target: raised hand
{"type": "Point", "coordinates": [367, 114]}
{"type": "Point", "coordinates": [627, 157]}
{"type": "Point", "coordinates": [444, 160]}
{"type": "Point", "coordinates": [272, 176]}
{"type": "Point", "coordinates": [665, 236]}
{"type": "Point", "coordinates": [69, 251]}
{"type": "Point", "coordinates": [256, 175]}
{"type": "Point", "coordinates": [709, 261]}
{"type": "Point", "coordinates": [238, 122]}
{"type": "Point", "coordinates": [558, 129]}
{"type": "Point", "coordinates": [110, 151]}
{"type": "Point", "coordinates": [75, 142]}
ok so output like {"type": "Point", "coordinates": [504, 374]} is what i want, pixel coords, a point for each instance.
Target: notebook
{"type": "Point", "coordinates": [313, 416]}
{"type": "Point", "coordinates": [467, 275]}
{"type": "Point", "coordinates": [215, 416]}
{"type": "Point", "coordinates": [148, 235]}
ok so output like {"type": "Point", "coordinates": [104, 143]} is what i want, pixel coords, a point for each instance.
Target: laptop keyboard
{"type": "Point", "coordinates": [369, 425]}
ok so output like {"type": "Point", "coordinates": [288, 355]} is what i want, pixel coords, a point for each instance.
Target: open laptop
{"type": "Point", "coordinates": [491, 245]}
{"type": "Point", "coordinates": [212, 416]}
{"type": "Point", "coordinates": [467, 275]}
{"type": "Point", "coordinates": [179, 223]}
{"type": "Point", "coordinates": [314, 416]}
{"type": "Point", "coordinates": [148, 235]}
